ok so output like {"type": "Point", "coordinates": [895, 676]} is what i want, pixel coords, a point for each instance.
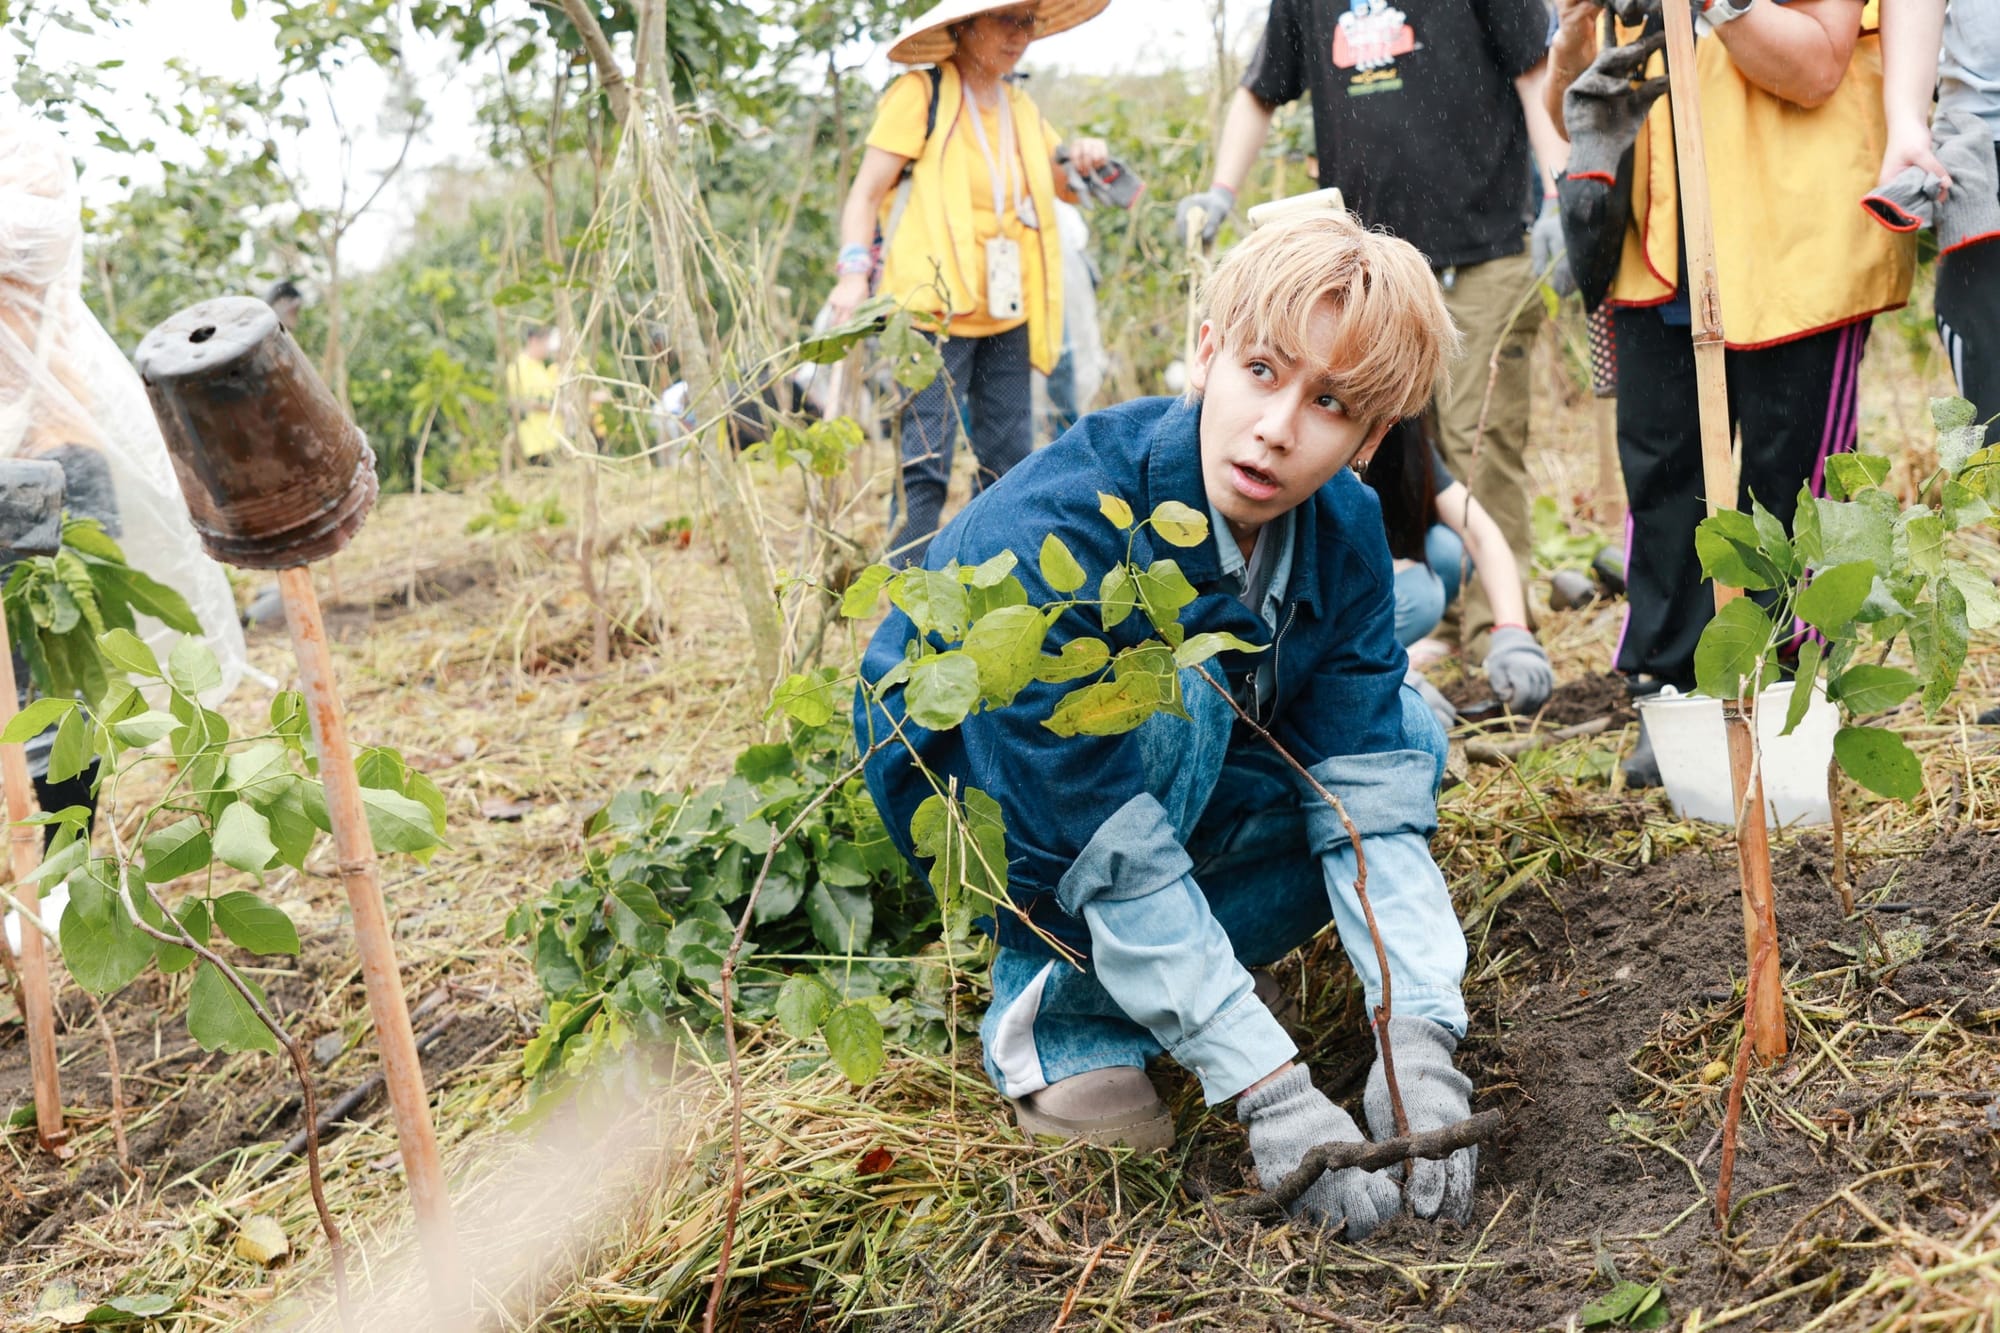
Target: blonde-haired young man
{"type": "Point", "coordinates": [1177, 856]}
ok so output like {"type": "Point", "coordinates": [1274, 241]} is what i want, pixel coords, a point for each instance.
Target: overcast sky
{"type": "Point", "coordinates": [1130, 35]}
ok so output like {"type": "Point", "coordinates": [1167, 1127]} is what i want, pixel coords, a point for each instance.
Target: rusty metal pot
{"type": "Point", "coordinates": [275, 474]}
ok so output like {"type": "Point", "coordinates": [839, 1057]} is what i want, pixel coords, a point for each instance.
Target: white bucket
{"type": "Point", "coordinates": [1693, 754]}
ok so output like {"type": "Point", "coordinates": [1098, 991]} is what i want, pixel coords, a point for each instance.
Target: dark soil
{"type": "Point", "coordinates": [1602, 976]}
{"type": "Point", "coordinates": [188, 1112]}
{"type": "Point", "coordinates": [1572, 702]}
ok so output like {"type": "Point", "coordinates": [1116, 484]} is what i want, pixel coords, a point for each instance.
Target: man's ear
{"type": "Point", "coordinates": [1366, 452]}
{"type": "Point", "coordinates": [1207, 344]}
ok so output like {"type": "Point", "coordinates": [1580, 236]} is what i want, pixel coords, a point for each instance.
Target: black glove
{"type": "Point", "coordinates": [1606, 105]}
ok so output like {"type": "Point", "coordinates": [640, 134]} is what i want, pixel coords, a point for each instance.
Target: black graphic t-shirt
{"type": "Point", "coordinates": [1415, 112]}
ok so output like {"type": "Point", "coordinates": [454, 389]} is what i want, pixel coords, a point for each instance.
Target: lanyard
{"type": "Point", "coordinates": [1000, 174]}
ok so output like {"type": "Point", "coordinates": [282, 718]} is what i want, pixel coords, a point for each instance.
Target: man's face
{"type": "Point", "coordinates": [1272, 429]}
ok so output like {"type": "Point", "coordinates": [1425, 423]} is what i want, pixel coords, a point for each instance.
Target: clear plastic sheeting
{"type": "Point", "coordinates": [67, 390]}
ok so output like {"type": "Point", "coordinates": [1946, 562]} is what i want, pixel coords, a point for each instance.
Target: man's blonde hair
{"type": "Point", "coordinates": [1393, 337]}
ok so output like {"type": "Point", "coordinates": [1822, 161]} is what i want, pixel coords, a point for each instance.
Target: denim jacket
{"type": "Point", "coordinates": [1335, 672]}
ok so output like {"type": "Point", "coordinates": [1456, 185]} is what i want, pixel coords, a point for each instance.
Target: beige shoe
{"type": "Point", "coordinates": [1105, 1107]}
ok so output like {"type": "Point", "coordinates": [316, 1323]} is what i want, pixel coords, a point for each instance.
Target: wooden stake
{"type": "Point", "coordinates": [24, 842]}
{"type": "Point", "coordinates": [1767, 1024]}
{"type": "Point", "coordinates": [386, 1004]}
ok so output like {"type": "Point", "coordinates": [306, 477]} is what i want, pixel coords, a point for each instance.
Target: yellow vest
{"type": "Point", "coordinates": [1795, 253]}
{"type": "Point", "coordinates": [936, 229]}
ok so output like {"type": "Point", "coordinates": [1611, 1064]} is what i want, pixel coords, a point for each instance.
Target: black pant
{"type": "Point", "coordinates": [1794, 405]}
{"type": "Point", "coordinates": [986, 386]}
{"type": "Point", "coordinates": [1968, 320]}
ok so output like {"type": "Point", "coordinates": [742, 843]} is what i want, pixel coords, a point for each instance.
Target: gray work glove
{"type": "Point", "coordinates": [1518, 669]}
{"type": "Point", "coordinates": [1906, 201]}
{"type": "Point", "coordinates": [1441, 708]}
{"type": "Point", "coordinates": [1604, 108]}
{"type": "Point", "coordinates": [1435, 1094]}
{"type": "Point", "coordinates": [1287, 1116]}
{"type": "Point", "coordinates": [1969, 211]}
{"type": "Point", "coordinates": [1548, 252]}
{"type": "Point", "coordinates": [1215, 204]}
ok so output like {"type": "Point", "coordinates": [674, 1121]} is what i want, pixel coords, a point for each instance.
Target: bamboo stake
{"type": "Point", "coordinates": [1767, 1024]}
{"type": "Point", "coordinates": [24, 843]}
{"type": "Point", "coordinates": [386, 1004]}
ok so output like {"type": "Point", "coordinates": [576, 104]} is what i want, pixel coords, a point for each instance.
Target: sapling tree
{"type": "Point", "coordinates": [1862, 572]}
{"type": "Point", "coordinates": [208, 803]}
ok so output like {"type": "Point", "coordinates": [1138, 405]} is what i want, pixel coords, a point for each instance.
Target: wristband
{"type": "Point", "coordinates": [854, 259]}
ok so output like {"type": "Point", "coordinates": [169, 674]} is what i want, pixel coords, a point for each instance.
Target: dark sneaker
{"type": "Point", "coordinates": [1990, 718]}
{"type": "Point", "coordinates": [1640, 768]}
{"type": "Point", "coordinates": [1114, 1107]}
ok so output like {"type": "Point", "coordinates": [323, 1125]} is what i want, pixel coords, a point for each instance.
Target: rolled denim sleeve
{"type": "Point", "coordinates": [1160, 953]}
{"type": "Point", "coordinates": [1391, 798]}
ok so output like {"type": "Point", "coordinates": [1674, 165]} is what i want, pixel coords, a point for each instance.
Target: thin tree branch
{"type": "Point", "coordinates": [1324, 1157]}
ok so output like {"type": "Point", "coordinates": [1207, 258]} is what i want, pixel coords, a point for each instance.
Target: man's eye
{"type": "Point", "coordinates": [1330, 403]}
{"type": "Point", "coordinates": [1260, 368]}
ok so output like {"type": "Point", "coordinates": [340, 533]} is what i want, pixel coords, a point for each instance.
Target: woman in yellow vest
{"type": "Point", "coordinates": [960, 178]}
{"type": "Point", "coordinates": [1791, 109]}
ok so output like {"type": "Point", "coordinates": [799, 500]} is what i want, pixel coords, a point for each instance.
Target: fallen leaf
{"type": "Point", "coordinates": [262, 1241]}
{"type": "Point", "coordinates": [501, 810]}
{"type": "Point", "coordinates": [875, 1161]}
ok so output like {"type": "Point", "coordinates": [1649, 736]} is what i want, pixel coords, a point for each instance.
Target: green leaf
{"type": "Point", "coordinates": [1108, 708]}
{"type": "Point", "coordinates": [192, 668]}
{"type": "Point", "coordinates": [1859, 529]}
{"type": "Point", "coordinates": [290, 719]}
{"type": "Point", "coordinates": [243, 838]}
{"type": "Point", "coordinates": [124, 1309]}
{"type": "Point", "coordinates": [1006, 647]}
{"type": "Point", "coordinates": [253, 924]}
{"type": "Point", "coordinates": [1982, 600]}
{"type": "Point", "coordinates": [1163, 591]}
{"type": "Point", "coordinates": [145, 728]}
{"type": "Point", "coordinates": [1804, 682]}
{"type": "Point", "coordinates": [220, 1019]}
{"type": "Point", "coordinates": [1835, 595]}
{"type": "Point", "coordinates": [295, 811]}
{"type": "Point", "coordinates": [1878, 759]}
{"type": "Point", "coordinates": [1059, 568]}
{"type": "Point", "coordinates": [1204, 646]}
{"type": "Point", "coordinates": [915, 359]}
{"type": "Point", "coordinates": [988, 573]}
{"type": "Point", "coordinates": [102, 948]}
{"type": "Point", "coordinates": [181, 848]}
{"type": "Point", "coordinates": [60, 862]}
{"type": "Point", "coordinates": [1731, 649]}
{"type": "Point", "coordinates": [805, 697]}
{"type": "Point", "coordinates": [841, 919]}
{"type": "Point", "coordinates": [1868, 689]}
{"type": "Point", "coordinates": [1615, 1305]}
{"type": "Point", "coordinates": [854, 1039]}
{"type": "Point", "coordinates": [1772, 541]}
{"type": "Point", "coordinates": [36, 718]}
{"type": "Point", "coordinates": [943, 688]}
{"type": "Point", "coordinates": [1923, 534]}
{"type": "Point", "coordinates": [1116, 510]}
{"type": "Point", "coordinates": [1847, 475]}
{"type": "Point", "coordinates": [1727, 542]}
{"type": "Point", "coordinates": [193, 916]}
{"type": "Point", "coordinates": [71, 751]}
{"type": "Point", "coordinates": [1118, 596]}
{"type": "Point", "coordinates": [804, 1002]}
{"type": "Point", "coordinates": [1179, 524]}
{"type": "Point", "coordinates": [128, 652]}
{"type": "Point", "coordinates": [1079, 657]}
{"type": "Point", "coordinates": [1948, 413]}
{"type": "Point", "coordinates": [397, 823]}
{"type": "Point", "coordinates": [258, 772]}
{"type": "Point", "coordinates": [932, 599]}
{"type": "Point", "coordinates": [861, 595]}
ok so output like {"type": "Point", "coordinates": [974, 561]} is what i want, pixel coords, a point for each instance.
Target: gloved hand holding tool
{"type": "Point", "coordinates": [1111, 183]}
{"type": "Point", "coordinates": [1435, 1094]}
{"type": "Point", "coordinates": [1286, 1117]}
{"type": "Point", "coordinates": [1518, 669]}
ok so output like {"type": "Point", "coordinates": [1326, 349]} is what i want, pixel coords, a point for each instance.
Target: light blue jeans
{"type": "Point", "coordinates": [1424, 592]}
{"type": "Point", "coordinates": [1270, 867]}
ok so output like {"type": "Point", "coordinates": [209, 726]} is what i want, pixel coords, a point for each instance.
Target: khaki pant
{"type": "Point", "coordinates": [1493, 304]}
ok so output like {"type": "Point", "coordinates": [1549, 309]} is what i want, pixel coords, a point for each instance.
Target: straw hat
{"type": "Point", "coordinates": [926, 41]}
